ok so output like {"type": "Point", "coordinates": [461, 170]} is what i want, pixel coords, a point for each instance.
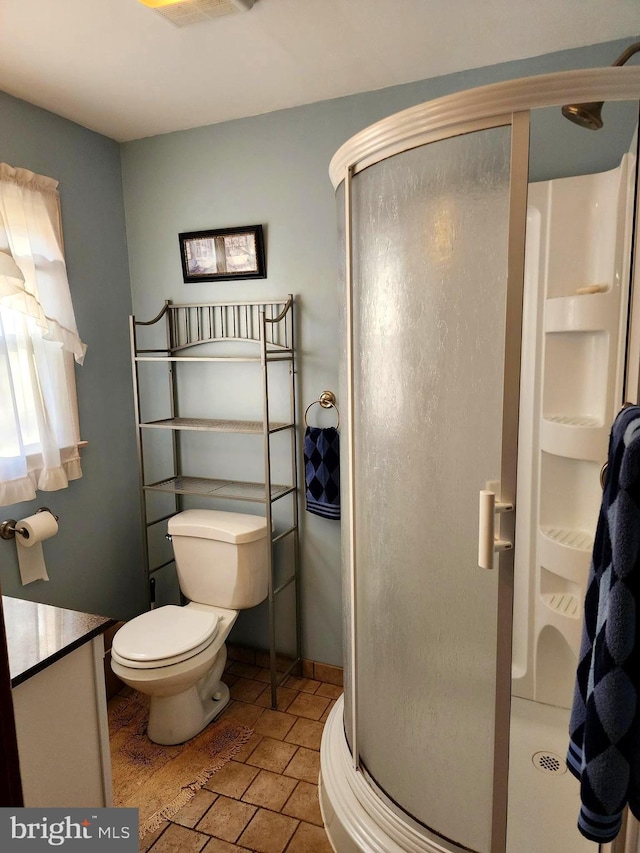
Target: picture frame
{"type": "Point", "coordinates": [223, 254]}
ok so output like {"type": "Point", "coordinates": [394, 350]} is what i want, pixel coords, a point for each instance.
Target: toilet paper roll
{"type": "Point", "coordinates": [39, 527]}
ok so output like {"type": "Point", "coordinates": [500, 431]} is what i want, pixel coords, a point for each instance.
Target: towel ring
{"type": "Point", "coordinates": [328, 401]}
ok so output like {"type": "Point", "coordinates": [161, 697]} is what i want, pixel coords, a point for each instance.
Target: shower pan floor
{"type": "Point", "coordinates": [544, 798]}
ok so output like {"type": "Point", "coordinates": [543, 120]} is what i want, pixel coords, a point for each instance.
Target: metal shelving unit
{"type": "Point", "coordinates": [267, 327]}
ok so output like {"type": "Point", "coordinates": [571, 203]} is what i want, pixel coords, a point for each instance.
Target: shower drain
{"type": "Point", "coordinates": [549, 762]}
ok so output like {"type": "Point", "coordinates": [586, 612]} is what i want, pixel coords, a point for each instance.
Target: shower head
{"type": "Point", "coordinates": [589, 115]}
{"type": "Point", "coordinates": [585, 115]}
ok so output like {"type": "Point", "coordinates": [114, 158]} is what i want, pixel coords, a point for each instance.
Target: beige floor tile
{"type": "Point", "coordinates": [271, 754]}
{"type": "Point", "coordinates": [242, 712]}
{"type": "Point", "coordinates": [232, 780]}
{"type": "Point", "coordinates": [217, 845]}
{"type": "Point", "coordinates": [226, 819]}
{"type": "Point", "coordinates": [246, 670]}
{"type": "Point", "coordinates": [245, 751]}
{"type": "Point", "coordinates": [268, 832]}
{"type": "Point", "coordinates": [263, 675]}
{"type": "Point", "coordinates": [306, 733]}
{"type": "Point", "coordinates": [303, 804]}
{"type": "Point", "coordinates": [284, 695]}
{"type": "Point", "coordinates": [266, 798]}
{"type": "Point", "coordinates": [323, 718]}
{"type": "Point", "coordinates": [275, 724]}
{"type": "Point", "coordinates": [246, 690]}
{"type": "Point", "coordinates": [308, 705]}
{"type": "Point", "coordinates": [306, 685]}
{"type": "Point", "coordinates": [309, 839]}
{"type": "Point", "coordinates": [151, 837]}
{"type": "Point", "coordinates": [304, 765]}
{"type": "Point", "coordinates": [179, 839]}
{"type": "Point", "coordinates": [331, 691]}
{"type": "Point", "coordinates": [269, 790]}
{"type": "Point", "coordinates": [190, 814]}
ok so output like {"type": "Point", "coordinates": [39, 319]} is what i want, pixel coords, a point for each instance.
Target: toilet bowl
{"type": "Point", "coordinates": [184, 686]}
{"type": "Point", "coordinates": [176, 655]}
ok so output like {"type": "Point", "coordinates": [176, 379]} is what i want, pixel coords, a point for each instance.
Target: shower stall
{"type": "Point", "coordinates": [489, 340]}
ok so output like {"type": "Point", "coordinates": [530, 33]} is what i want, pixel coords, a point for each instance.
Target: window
{"type": "Point", "coordinates": [39, 340]}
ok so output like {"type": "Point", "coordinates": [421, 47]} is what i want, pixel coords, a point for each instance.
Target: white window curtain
{"type": "Point", "coordinates": [39, 340]}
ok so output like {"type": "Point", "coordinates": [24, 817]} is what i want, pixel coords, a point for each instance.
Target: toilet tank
{"type": "Point", "coordinates": [221, 557]}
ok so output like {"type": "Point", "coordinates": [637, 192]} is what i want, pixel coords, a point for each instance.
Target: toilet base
{"type": "Point", "coordinates": [185, 696]}
{"type": "Point", "coordinates": [176, 719]}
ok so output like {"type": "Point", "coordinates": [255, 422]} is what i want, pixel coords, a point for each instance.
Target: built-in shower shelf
{"type": "Point", "coordinates": [563, 604]}
{"type": "Point", "coordinates": [573, 420]}
{"type": "Point", "coordinates": [580, 313]}
{"type": "Point", "coordinates": [574, 436]}
{"type": "Point", "coordinates": [565, 552]}
{"type": "Point", "coordinates": [577, 539]}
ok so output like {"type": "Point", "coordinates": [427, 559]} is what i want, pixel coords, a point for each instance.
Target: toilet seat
{"type": "Point", "coordinates": [164, 636]}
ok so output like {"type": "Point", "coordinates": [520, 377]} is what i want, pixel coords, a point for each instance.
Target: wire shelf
{"type": "Point", "coordinates": [215, 425]}
{"type": "Point", "coordinates": [209, 487]}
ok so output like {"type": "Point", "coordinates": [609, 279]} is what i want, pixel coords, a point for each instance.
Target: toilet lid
{"type": "Point", "coordinates": [165, 633]}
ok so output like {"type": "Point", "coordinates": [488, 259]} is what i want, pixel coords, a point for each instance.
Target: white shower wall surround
{"type": "Point", "coordinates": [453, 729]}
{"type": "Point", "coordinates": [576, 298]}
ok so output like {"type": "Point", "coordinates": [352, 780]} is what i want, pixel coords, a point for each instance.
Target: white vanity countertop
{"type": "Point", "coordinates": [40, 634]}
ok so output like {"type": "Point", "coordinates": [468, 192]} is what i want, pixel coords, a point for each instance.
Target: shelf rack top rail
{"type": "Point", "coordinates": [202, 323]}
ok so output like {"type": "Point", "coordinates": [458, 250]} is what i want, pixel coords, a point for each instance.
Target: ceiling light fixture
{"type": "Point", "coordinates": [183, 13]}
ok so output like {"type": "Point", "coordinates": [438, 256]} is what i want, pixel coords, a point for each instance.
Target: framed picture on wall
{"type": "Point", "coordinates": [223, 255]}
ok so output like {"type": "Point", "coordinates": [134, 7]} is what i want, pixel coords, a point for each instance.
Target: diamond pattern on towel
{"type": "Point", "coordinates": [604, 746]}
{"type": "Point", "coordinates": [322, 471]}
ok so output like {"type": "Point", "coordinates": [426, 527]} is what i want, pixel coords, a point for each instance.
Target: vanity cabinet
{"type": "Point", "coordinates": [56, 662]}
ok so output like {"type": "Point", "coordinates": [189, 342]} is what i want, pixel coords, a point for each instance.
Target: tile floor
{"type": "Point", "coordinates": [266, 799]}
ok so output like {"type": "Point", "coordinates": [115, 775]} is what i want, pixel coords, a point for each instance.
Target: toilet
{"type": "Point", "coordinates": [176, 655]}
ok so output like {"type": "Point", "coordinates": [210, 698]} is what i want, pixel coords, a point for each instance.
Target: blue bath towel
{"type": "Point", "coordinates": [322, 471]}
{"type": "Point", "coordinates": [604, 746]}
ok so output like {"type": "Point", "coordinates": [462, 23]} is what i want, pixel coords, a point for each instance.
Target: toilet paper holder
{"type": "Point", "coordinates": [8, 527]}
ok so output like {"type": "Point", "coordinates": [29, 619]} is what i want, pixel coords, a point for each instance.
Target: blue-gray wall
{"type": "Point", "coordinates": [273, 169]}
{"type": "Point", "coordinates": [94, 561]}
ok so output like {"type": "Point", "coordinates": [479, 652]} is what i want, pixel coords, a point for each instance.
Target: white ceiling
{"type": "Point", "coordinates": [119, 68]}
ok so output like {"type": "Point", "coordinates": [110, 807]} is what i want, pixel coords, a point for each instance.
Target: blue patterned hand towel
{"type": "Point", "coordinates": [322, 471]}
{"type": "Point", "coordinates": [604, 746]}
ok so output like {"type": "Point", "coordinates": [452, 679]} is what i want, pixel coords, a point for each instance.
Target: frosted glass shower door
{"type": "Point", "coordinates": [430, 255]}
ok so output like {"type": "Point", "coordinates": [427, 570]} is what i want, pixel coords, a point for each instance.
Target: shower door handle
{"type": "Point", "coordinates": [487, 542]}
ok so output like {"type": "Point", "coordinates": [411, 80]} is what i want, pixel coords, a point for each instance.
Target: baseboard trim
{"type": "Point", "coordinates": [328, 673]}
